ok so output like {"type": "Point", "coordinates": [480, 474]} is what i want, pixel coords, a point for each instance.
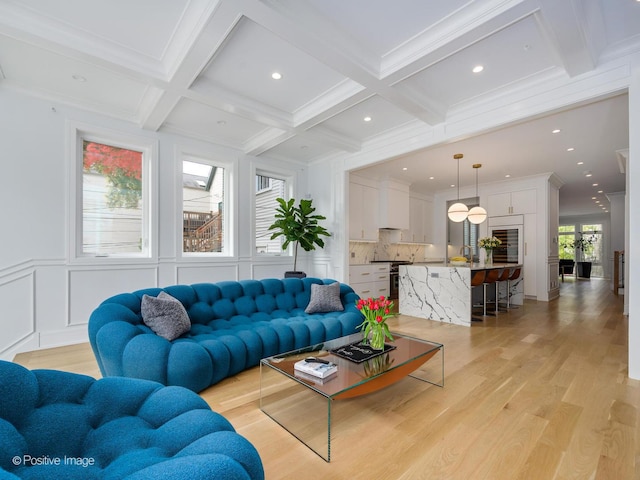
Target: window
{"type": "Point", "coordinates": [203, 206]}
{"type": "Point", "coordinates": [112, 204]}
{"type": "Point", "coordinates": [470, 237]}
{"type": "Point", "coordinates": [265, 212]}
{"type": "Point", "coordinates": [566, 237]}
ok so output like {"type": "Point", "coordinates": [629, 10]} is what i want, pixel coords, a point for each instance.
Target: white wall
{"type": "Point", "coordinates": [46, 297]}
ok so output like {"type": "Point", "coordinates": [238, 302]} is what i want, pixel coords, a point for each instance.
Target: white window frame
{"type": "Point", "coordinates": [77, 133]}
{"type": "Point", "coordinates": [288, 177]}
{"type": "Point", "coordinates": [228, 202]}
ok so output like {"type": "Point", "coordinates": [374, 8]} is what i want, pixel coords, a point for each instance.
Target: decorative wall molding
{"type": "Point", "coordinates": [17, 295]}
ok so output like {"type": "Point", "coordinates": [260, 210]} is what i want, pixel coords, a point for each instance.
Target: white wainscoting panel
{"type": "Point", "coordinates": [88, 288]}
{"type": "Point", "coordinates": [207, 274]}
{"type": "Point", "coordinates": [17, 311]}
{"type": "Point", "coordinates": [271, 270]}
{"type": "Point", "coordinates": [320, 270]}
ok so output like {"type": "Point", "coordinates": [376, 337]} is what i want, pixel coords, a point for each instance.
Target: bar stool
{"type": "Point", "coordinates": [512, 278]}
{"type": "Point", "coordinates": [477, 279]}
{"type": "Point", "coordinates": [491, 279]}
{"type": "Point", "coordinates": [504, 279]}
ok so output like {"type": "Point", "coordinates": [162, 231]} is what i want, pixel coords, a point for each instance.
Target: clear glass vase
{"type": "Point", "coordinates": [376, 337]}
{"type": "Point", "coordinates": [488, 259]}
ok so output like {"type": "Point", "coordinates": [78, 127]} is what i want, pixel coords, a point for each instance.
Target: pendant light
{"type": "Point", "coordinates": [477, 214]}
{"type": "Point", "coordinates": [458, 211]}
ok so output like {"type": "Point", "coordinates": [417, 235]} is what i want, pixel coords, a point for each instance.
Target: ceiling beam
{"type": "Point", "coordinates": [564, 23]}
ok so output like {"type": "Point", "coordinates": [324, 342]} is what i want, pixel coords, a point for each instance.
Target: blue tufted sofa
{"type": "Point", "coordinates": [233, 326]}
{"type": "Point", "coordinates": [60, 425]}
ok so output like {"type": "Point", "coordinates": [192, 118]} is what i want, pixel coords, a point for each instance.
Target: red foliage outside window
{"type": "Point", "coordinates": [109, 160]}
{"type": "Point", "coordinates": [121, 167]}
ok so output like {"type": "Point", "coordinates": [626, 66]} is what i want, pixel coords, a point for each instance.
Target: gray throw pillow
{"type": "Point", "coordinates": [165, 315]}
{"type": "Point", "coordinates": [324, 298]}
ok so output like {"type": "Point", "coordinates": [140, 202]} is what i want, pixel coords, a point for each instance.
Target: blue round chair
{"type": "Point", "coordinates": [60, 425]}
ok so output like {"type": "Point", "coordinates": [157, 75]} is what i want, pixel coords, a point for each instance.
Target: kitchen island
{"type": "Point", "coordinates": [443, 292]}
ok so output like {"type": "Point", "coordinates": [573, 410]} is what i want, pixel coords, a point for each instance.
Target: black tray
{"type": "Point", "coordinates": [358, 352]}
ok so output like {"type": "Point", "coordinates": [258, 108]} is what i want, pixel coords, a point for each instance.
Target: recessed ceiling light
{"type": "Point", "coordinates": [276, 75]}
{"type": "Point", "coordinates": [580, 163]}
{"type": "Point", "coordinates": [367, 119]}
{"type": "Point", "coordinates": [477, 69]}
{"type": "Point", "coordinates": [597, 201]}
{"type": "Point", "coordinates": [588, 174]}
{"type": "Point", "coordinates": [593, 198]}
{"type": "Point", "coordinates": [431, 178]}
{"type": "Point", "coordinates": [452, 185]}
{"type": "Point", "coordinates": [404, 169]}
{"type": "Point", "coordinates": [507, 176]}
{"type": "Point", "coordinates": [557, 130]}
{"type": "Point", "coordinates": [600, 191]}
{"type": "Point", "coordinates": [79, 78]}
{"type": "Point", "coordinates": [570, 149]}
{"type": "Point", "coordinates": [594, 184]}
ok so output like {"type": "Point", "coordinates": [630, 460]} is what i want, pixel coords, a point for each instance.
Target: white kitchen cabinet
{"type": "Point", "coordinates": [420, 215]}
{"type": "Point", "coordinates": [511, 203]}
{"type": "Point", "coordinates": [363, 213]}
{"type": "Point", "coordinates": [370, 280]}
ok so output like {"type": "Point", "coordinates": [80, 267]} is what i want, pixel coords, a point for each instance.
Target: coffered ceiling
{"type": "Point", "coordinates": [203, 68]}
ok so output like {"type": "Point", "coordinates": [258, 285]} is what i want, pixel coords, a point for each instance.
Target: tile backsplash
{"type": "Point", "coordinates": [365, 252]}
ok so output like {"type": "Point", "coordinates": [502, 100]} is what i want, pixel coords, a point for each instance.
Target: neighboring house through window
{"type": "Point", "coordinates": [268, 188]}
{"type": "Point", "coordinates": [262, 183]}
{"type": "Point", "coordinates": [112, 203]}
{"type": "Point", "coordinates": [203, 206]}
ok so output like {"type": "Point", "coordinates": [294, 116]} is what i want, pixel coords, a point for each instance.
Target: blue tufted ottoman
{"type": "Point", "coordinates": [60, 425]}
{"type": "Point", "coordinates": [232, 326]}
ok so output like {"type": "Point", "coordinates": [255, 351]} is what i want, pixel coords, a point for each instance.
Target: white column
{"type": "Point", "coordinates": [632, 237]}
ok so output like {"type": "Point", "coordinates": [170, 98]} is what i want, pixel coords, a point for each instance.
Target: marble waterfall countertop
{"type": "Point", "coordinates": [443, 292]}
{"type": "Point", "coordinates": [472, 266]}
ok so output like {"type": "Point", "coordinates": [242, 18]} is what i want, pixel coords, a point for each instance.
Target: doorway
{"type": "Point", "coordinates": [593, 249]}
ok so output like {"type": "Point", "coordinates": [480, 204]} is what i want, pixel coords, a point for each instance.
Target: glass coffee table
{"type": "Point", "coordinates": [303, 405]}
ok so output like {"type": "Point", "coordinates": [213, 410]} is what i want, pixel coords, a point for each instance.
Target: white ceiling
{"type": "Point", "coordinates": [202, 68]}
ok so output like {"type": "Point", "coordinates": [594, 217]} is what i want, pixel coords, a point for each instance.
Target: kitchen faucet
{"type": "Point", "coordinates": [463, 248]}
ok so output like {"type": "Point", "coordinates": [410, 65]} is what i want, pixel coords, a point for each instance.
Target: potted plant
{"type": "Point", "coordinates": [583, 245]}
{"type": "Point", "coordinates": [298, 224]}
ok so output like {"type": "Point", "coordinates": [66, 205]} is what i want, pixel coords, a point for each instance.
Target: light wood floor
{"type": "Point", "coordinates": [540, 392]}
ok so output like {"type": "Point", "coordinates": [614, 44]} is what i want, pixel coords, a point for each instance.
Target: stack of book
{"type": "Point", "coordinates": [315, 369]}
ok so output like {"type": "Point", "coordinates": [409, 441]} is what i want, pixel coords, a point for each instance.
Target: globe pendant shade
{"type": "Point", "coordinates": [458, 212]}
{"type": "Point", "coordinates": [477, 215]}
